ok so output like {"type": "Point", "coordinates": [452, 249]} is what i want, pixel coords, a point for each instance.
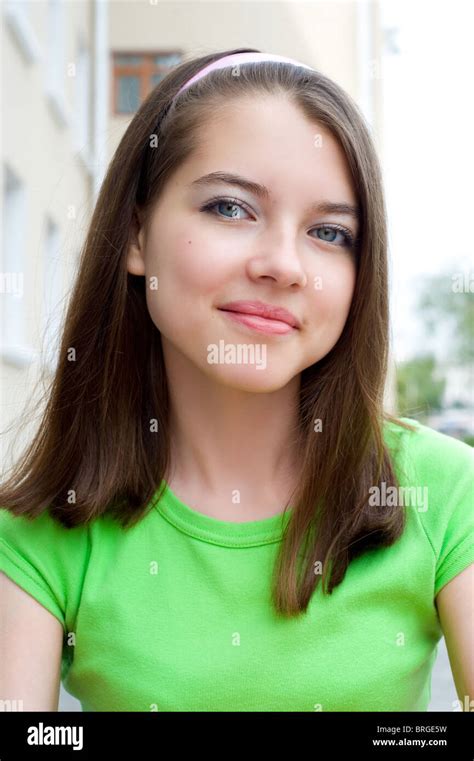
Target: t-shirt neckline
{"type": "Point", "coordinates": [215, 531]}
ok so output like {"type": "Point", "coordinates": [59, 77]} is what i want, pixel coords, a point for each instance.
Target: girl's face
{"type": "Point", "coordinates": [272, 247]}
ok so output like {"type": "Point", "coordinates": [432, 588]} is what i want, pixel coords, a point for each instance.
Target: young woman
{"type": "Point", "coordinates": [217, 513]}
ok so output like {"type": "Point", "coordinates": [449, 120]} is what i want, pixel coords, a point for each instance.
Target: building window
{"type": "Point", "coordinates": [17, 15]}
{"type": "Point", "coordinates": [56, 61]}
{"type": "Point", "coordinates": [12, 288]}
{"type": "Point", "coordinates": [52, 293]}
{"type": "Point", "coordinates": [135, 76]}
{"type": "Point", "coordinates": [82, 121]}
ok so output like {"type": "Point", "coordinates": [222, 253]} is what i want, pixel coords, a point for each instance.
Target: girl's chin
{"type": "Point", "coordinates": [251, 379]}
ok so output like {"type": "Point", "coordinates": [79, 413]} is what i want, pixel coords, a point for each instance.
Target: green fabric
{"type": "Point", "coordinates": [175, 613]}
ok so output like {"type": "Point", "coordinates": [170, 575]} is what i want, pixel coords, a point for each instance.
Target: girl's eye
{"type": "Point", "coordinates": [231, 205]}
{"type": "Point", "coordinates": [335, 229]}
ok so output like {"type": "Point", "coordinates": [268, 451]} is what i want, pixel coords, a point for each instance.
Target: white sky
{"type": "Point", "coordinates": [428, 161]}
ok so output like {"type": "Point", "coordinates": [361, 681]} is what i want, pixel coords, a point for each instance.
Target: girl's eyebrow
{"type": "Point", "coordinates": [322, 207]}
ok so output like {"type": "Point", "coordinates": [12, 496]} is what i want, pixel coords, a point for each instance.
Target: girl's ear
{"type": "Point", "coordinates": [136, 249]}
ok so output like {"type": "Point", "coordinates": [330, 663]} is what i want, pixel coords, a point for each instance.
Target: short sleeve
{"type": "Point", "coordinates": [45, 559]}
{"type": "Point", "coordinates": [445, 465]}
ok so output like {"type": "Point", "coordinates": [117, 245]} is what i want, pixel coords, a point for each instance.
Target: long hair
{"type": "Point", "coordinates": [103, 443]}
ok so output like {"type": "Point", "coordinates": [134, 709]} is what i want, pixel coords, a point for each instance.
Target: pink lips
{"type": "Point", "coordinates": [260, 316]}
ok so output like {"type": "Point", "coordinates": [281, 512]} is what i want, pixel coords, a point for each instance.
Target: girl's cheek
{"type": "Point", "coordinates": [339, 277]}
{"type": "Point", "coordinates": [332, 290]}
{"type": "Point", "coordinates": [199, 268]}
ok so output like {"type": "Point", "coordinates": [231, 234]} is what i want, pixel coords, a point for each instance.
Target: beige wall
{"type": "Point", "coordinates": [322, 34]}
{"type": "Point", "coordinates": [40, 146]}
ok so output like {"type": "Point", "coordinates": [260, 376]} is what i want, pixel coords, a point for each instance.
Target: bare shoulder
{"type": "Point", "coordinates": [31, 640]}
{"type": "Point", "coordinates": [455, 604]}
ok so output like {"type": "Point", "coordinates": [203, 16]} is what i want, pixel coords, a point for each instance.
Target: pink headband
{"type": "Point", "coordinates": [236, 59]}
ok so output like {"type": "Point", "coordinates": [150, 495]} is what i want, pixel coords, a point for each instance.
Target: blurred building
{"type": "Point", "coordinates": [54, 89]}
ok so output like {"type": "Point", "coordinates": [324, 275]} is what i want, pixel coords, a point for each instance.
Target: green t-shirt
{"type": "Point", "coordinates": [175, 614]}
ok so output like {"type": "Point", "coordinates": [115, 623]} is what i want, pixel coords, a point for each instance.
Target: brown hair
{"type": "Point", "coordinates": [97, 437]}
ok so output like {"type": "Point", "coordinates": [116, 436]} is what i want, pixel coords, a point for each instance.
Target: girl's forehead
{"type": "Point", "coordinates": [250, 115]}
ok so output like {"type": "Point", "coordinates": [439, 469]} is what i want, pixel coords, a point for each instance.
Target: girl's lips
{"type": "Point", "coordinates": [260, 324]}
{"type": "Point", "coordinates": [261, 309]}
